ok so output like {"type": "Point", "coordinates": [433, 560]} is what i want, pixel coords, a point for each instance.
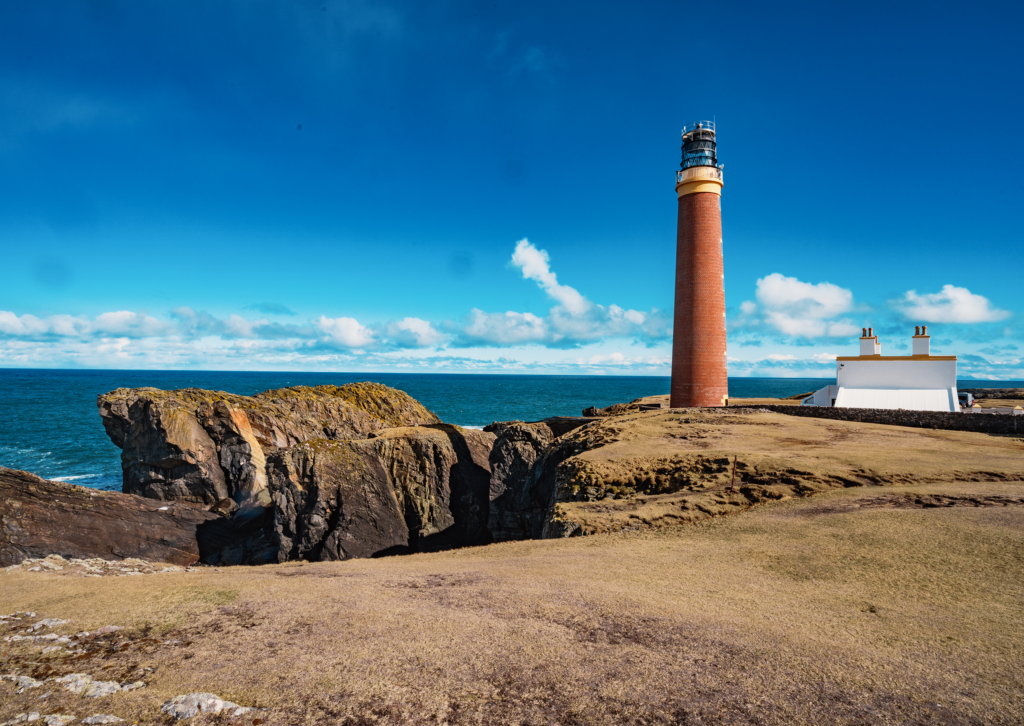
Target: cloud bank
{"type": "Point", "coordinates": [786, 315]}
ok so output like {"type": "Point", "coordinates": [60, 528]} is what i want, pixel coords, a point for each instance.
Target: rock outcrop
{"type": "Point", "coordinates": [647, 403]}
{"type": "Point", "coordinates": [207, 446]}
{"type": "Point", "coordinates": [325, 473]}
{"type": "Point", "coordinates": [1011, 394]}
{"type": "Point", "coordinates": [40, 518]}
{"type": "Point", "coordinates": [523, 463]}
{"type": "Point", "coordinates": [407, 489]}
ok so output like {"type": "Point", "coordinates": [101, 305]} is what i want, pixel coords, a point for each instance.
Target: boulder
{"type": "Point", "coordinates": [40, 518]}
{"type": "Point", "coordinates": [206, 446]}
{"type": "Point", "coordinates": [191, 705]}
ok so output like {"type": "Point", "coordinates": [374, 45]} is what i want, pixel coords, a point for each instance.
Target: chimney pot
{"type": "Point", "coordinates": [871, 332]}
{"type": "Point", "coordinates": [863, 332]}
{"type": "Point", "coordinates": [917, 330]}
{"type": "Point", "coordinates": [922, 343]}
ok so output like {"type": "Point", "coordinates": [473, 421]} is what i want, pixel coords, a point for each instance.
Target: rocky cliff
{"type": "Point", "coordinates": [321, 473]}
{"type": "Point", "coordinates": [404, 490]}
{"type": "Point", "coordinates": [206, 446]}
{"type": "Point", "coordinates": [40, 518]}
{"type": "Point", "coordinates": [363, 471]}
{"type": "Point", "coordinates": [410, 489]}
{"type": "Point", "coordinates": [523, 464]}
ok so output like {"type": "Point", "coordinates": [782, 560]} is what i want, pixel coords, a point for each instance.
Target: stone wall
{"type": "Point", "coordinates": [983, 423]}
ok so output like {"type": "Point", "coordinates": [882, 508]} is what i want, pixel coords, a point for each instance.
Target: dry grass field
{"type": "Point", "coordinates": [874, 605]}
{"type": "Point", "coordinates": [867, 575]}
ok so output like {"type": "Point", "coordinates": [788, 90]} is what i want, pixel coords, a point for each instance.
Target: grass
{"type": "Point", "coordinates": [665, 468]}
{"type": "Point", "coordinates": [855, 606]}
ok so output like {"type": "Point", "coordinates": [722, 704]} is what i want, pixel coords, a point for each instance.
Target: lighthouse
{"type": "Point", "coordinates": [699, 373]}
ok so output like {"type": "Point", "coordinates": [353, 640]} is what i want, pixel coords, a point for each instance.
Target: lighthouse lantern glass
{"type": "Point", "coordinates": [699, 145]}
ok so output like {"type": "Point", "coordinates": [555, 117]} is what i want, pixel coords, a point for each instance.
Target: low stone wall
{"type": "Point", "coordinates": [988, 424]}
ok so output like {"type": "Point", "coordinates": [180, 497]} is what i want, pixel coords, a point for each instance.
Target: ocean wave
{"type": "Point", "coordinates": [16, 450]}
{"type": "Point", "coordinates": [77, 476]}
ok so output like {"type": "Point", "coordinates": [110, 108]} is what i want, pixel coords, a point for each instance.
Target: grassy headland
{"type": "Point", "coordinates": [895, 598]}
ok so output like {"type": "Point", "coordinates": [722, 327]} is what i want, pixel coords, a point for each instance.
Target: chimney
{"type": "Point", "coordinates": [922, 342]}
{"type": "Point", "coordinates": [869, 342]}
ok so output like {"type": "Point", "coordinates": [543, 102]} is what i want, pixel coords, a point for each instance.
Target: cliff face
{"type": "Point", "coordinates": [205, 446]}
{"type": "Point", "coordinates": [319, 473]}
{"type": "Point", "coordinates": [524, 462]}
{"type": "Point", "coordinates": [40, 518]}
{"type": "Point", "coordinates": [409, 489]}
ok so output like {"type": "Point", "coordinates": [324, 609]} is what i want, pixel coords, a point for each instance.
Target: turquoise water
{"type": "Point", "coordinates": [49, 424]}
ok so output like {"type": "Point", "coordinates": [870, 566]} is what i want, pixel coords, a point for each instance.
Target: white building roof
{"type": "Point", "coordinates": [911, 399]}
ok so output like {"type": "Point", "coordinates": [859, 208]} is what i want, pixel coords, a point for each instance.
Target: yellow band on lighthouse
{"type": "Point", "coordinates": [699, 179]}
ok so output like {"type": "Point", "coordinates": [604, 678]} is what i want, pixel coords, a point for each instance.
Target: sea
{"type": "Point", "coordinates": [49, 424]}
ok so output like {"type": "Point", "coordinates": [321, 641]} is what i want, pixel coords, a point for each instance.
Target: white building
{"type": "Point", "coordinates": [917, 382]}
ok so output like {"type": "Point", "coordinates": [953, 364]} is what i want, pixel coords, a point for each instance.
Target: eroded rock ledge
{"type": "Point", "coordinates": [40, 518]}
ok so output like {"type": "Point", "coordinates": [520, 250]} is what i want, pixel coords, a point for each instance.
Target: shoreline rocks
{"type": "Point", "coordinates": [40, 518]}
{"type": "Point", "coordinates": [305, 473]}
{"type": "Point", "coordinates": [326, 473]}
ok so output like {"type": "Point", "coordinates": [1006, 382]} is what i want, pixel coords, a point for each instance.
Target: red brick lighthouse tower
{"type": "Point", "coordinates": [699, 374]}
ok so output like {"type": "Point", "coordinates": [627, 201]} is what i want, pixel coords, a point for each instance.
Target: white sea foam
{"type": "Point", "coordinates": [478, 428]}
{"type": "Point", "coordinates": [72, 478]}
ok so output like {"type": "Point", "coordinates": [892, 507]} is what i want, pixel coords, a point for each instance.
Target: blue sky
{"type": "Point", "coordinates": [446, 186]}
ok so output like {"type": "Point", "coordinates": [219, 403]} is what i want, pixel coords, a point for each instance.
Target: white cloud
{"type": "Point", "coordinates": [11, 324]}
{"type": "Point", "coordinates": [125, 323]}
{"type": "Point", "coordinates": [346, 332]}
{"type": "Point", "coordinates": [414, 332]}
{"type": "Point", "coordinates": [779, 356]}
{"type": "Point", "coordinates": [823, 300]}
{"type": "Point", "coordinates": [194, 336]}
{"type": "Point", "coordinates": [803, 309]}
{"type": "Point", "coordinates": [535, 266]}
{"type": "Point", "coordinates": [116, 348]}
{"type": "Point", "coordinates": [573, 320]}
{"type": "Point", "coordinates": [824, 356]}
{"type": "Point", "coordinates": [618, 360]}
{"type": "Point", "coordinates": [952, 305]}
{"type": "Point", "coordinates": [747, 307]}
{"type": "Point", "coordinates": [509, 328]}
{"type": "Point", "coordinates": [120, 323]}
